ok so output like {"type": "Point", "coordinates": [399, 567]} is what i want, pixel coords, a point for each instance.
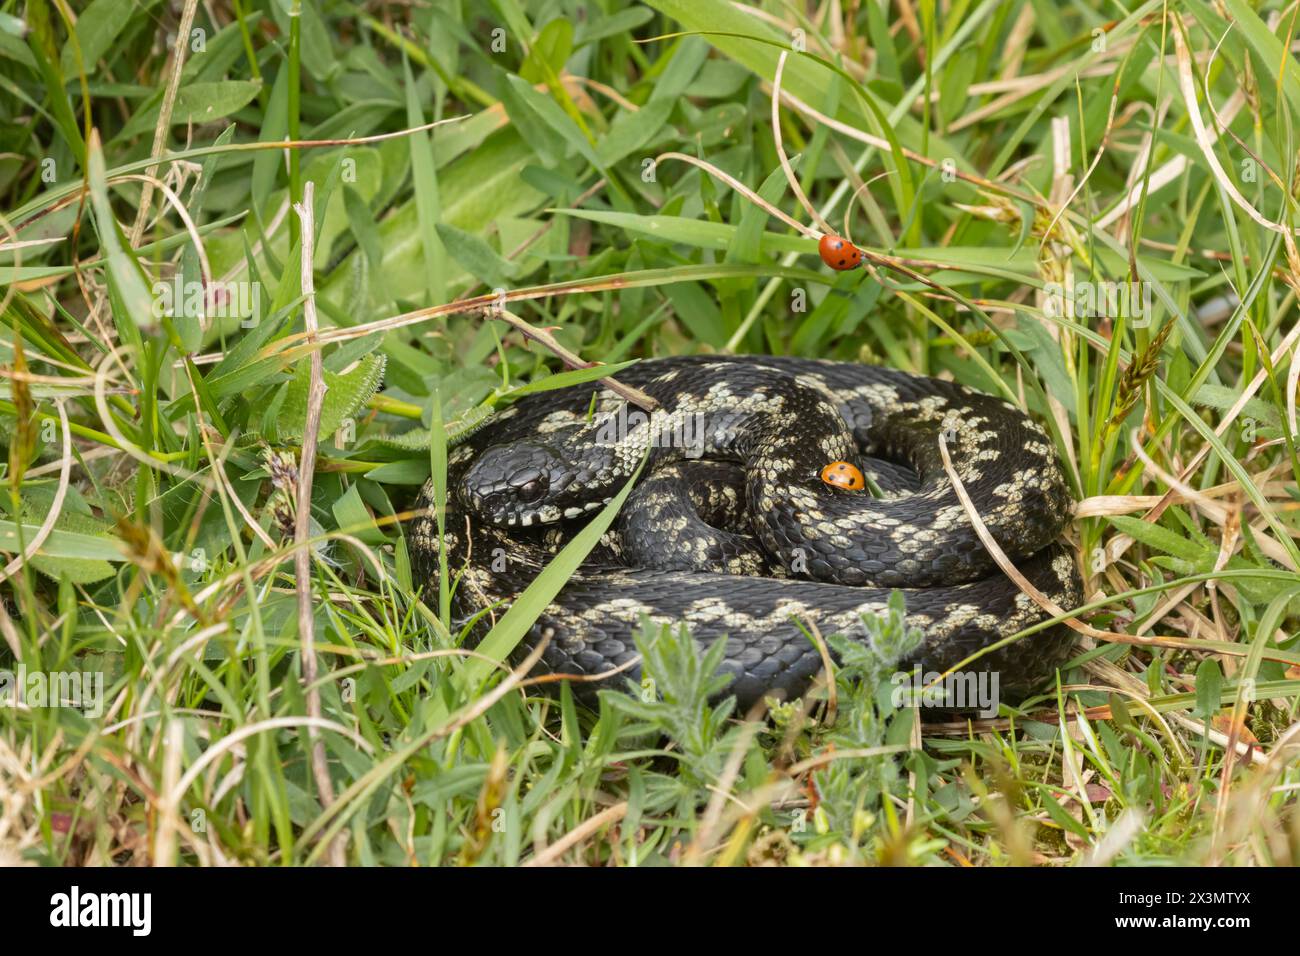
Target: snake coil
{"type": "Point", "coordinates": [731, 530]}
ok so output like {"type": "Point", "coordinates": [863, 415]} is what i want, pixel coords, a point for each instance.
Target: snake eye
{"type": "Point", "coordinates": [531, 490]}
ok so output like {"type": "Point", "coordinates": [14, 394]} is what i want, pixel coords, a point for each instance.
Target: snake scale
{"type": "Point", "coordinates": [732, 530]}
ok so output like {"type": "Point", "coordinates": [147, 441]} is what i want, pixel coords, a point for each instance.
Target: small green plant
{"type": "Point", "coordinates": [857, 794]}
{"type": "Point", "coordinates": [673, 699]}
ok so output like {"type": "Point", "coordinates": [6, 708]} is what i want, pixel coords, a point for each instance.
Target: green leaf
{"type": "Point", "coordinates": [11, 26]}
{"type": "Point", "coordinates": [412, 472]}
{"type": "Point", "coordinates": [747, 238]}
{"type": "Point", "coordinates": [345, 393]}
{"type": "Point", "coordinates": [1233, 465]}
{"type": "Point", "coordinates": [479, 259]}
{"type": "Point", "coordinates": [1275, 58]}
{"type": "Point", "coordinates": [268, 164]}
{"type": "Point", "coordinates": [205, 102]}
{"type": "Point", "coordinates": [78, 570]}
{"type": "Point", "coordinates": [97, 27]}
{"type": "Point", "coordinates": [622, 22]}
{"type": "Point", "coordinates": [549, 51]}
{"type": "Point", "coordinates": [1063, 819]}
{"type": "Point", "coordinates": [354, 518]}
{"type": "Point", "coordinates": [196, 103]}
{"type": "Point", "coordinates": [1162, 539]}
{"type": "Point", "coordinates": [85, 544]}
{"type": "Point", "coordinates": [124, 275]}
{"type": "Point", "coordinates": [576, 376]}
{"type": "Point", "coordinates": [428, 203]}
{"type": "Point", "coordinates": [630, 131]}
{"type": "Point", "coordinates": [1222, 398]}
{"type": "Point", "coordinates": [692, 232]}
{"type": "Point", "coordinates": [362, 222]}
{"type": "Point", "coordinates": [1209, 686]}
{"type": "Point", "coordinates": [553, 117]}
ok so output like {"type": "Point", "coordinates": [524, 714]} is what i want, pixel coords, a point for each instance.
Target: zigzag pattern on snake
{"type": "Point", "coordinates": [732, 531]}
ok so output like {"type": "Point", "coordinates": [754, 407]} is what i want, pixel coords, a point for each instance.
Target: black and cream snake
{"type": "Point", "coordinates": [732, 530]}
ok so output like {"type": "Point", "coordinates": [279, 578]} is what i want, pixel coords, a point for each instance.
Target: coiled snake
{"type": "Point", "coordinates": [732, 530]}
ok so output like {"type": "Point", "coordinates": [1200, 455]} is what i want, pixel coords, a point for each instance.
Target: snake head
{"type": "Point", "coordinates": [522, 483]}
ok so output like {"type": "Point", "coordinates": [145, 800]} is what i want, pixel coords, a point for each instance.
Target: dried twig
{"type": "Point", "coordinates": [164, 848]}
{"type": "Point", "coordinates": [793, 180]}
{"type": "Point", "coordinates": [164, 116]}
{"type": "Point", "coordinates": [744, 190]}
{"type": "Point", "coordinates": [579, 833]}
{"type": "Point", "coordinates": [1187, 85]}
{"type": "Point", "coordinates": [545, 338]}
{"type": "Point", "coordinates": [1027, 587]}
{"type": "Point", "coordinates": [52, 515]}
{"type": "Point", "coordinates": [302, 520]}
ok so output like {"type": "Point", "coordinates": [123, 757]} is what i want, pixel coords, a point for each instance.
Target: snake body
{"type": "Point", "coordinates": [732, 531]}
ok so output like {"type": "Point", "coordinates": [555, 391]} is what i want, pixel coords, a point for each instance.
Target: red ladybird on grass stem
{"type": "Point", "coordinates": [839, 253]}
